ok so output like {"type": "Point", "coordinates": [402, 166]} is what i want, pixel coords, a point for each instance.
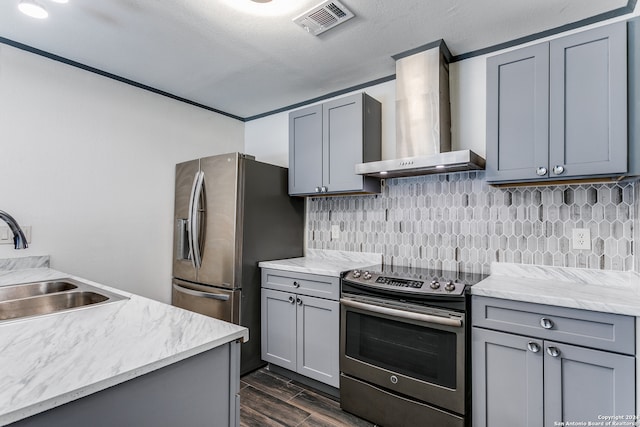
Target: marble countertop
{"type": "Point", "coordinates": [325, 262]}
{"type": "Point", "coordinates": [50, 360]}
{"type": "Point", "coordinates": [596, 290]}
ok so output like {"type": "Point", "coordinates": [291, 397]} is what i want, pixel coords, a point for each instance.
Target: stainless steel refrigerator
{"type": "Point", "coordinates": [231, 212]}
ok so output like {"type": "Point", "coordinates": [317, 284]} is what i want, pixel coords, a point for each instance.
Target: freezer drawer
{"type": "Point", "coordinates": [214, 302]}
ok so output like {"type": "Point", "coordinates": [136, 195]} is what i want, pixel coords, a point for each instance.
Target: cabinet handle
{"type": "Point", "coordinates": [533, 347]}
{"type": "Point", "coordinates": [317, 189]}
{"type": "Point", "coordinates": [324, 189]}
{"type": "Point", "coordinates": [553, 351]}
{"type": "Point", "coordinates": [296, 284]}
{"type": "Point", "coordinates": [557, 169]}
{"type": "Point", "coordinates": [299, 301]}
{"type": "Point", "coordinates": [291, 299]}
{"type": "Point", "coordinates": [546, 323]}
{"type": "Point", "coordinates": [541, 171]}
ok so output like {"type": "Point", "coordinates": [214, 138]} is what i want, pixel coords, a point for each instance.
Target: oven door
{"type": "Point", "coordinates": [411, 350]}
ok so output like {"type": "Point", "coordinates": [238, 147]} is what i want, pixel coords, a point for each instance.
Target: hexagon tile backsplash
{"type": "Point", "coordinates": [458, 222]}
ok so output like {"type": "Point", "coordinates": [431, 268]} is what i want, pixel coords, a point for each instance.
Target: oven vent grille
{"type": "Point", "coordinates": [323, 17]}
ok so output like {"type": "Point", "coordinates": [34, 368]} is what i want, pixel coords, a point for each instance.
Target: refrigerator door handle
{"type": "Point", "coordinates": [188, 291]}
{"type": "Point", "coordinates": [190, 218]}
{"type": "Point", "coordinates": [194, 223]}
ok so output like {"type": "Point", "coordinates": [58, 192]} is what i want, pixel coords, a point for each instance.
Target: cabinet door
{"type": "Point", "coordinates": [342, 143]}
{"type": "Point", "coordinates": [279, 328]}
{"type": "Point", "coordinates": [517, 114]}
{"type": "Point", "coordinates": [305, 150]}
{"type": "Point", "coordinates": [581, 384]}
{"type": "Point", "coordinates": [318, 340]}
{"type": "Point", "coordinates": [507, 380]}
{"type": "Point", "coordinates": [588, 102]}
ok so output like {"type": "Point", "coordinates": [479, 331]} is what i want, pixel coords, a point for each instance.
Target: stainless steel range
{"type": "Point", "coordinates": [404, 346]}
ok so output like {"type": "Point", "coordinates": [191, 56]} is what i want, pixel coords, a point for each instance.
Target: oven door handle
{"type": "Point", "coordinates": [409, 315]}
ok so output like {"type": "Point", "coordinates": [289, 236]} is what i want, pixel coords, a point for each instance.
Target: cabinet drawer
{"type": "Point", "coordinates": [302, 283]}
{"type": "Point", "coordinates": [611, 332]}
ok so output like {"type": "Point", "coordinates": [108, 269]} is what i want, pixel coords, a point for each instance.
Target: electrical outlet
{"type": "Point", "coordinates": [581, 238]}
{"type": "Point", "coordinates": [335, 232]}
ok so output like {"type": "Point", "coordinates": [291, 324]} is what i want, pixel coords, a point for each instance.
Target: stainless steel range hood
{"type": "Point", "coordinates": [423, 119]}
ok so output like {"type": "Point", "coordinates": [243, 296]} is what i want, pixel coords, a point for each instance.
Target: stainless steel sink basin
{"type": "Point", "coordinates": [33, 289]}
{"type": "Point", "coordinates": [41, 298]}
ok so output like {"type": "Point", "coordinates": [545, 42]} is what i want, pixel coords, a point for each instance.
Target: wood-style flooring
{"type": "Point", "coordinates": [269, 399]}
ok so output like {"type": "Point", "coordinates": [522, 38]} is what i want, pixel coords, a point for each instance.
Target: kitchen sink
{"type": "Point", "coordinates": [41, 298]}
{"type": "Point", "coordinates": [33, 289]}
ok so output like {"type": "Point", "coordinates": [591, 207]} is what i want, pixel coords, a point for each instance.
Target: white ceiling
{"type": "Point", "coordinates": [246, 58]}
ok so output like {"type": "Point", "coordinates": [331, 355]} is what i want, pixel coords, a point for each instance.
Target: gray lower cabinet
{"type": "Point", "coordinates": [279, 326]}
{"type": "Point", "coordinates": [533, 380]}
{"type": "Point", "coordinates": [326, 141]}
{"type": "Point", "coordinates": [300, 332]}
{"type": "Point", "coordinates": [582, 384]}
{"type": "Point", "coordinates": [558, 110]}
{"type": "Point", "coordinates": [507, 380]}
{"type": "Point", "coordinates": [202, 390]}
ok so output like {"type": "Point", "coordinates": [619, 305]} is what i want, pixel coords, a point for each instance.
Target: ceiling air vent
{"type": "Point", "coordinates": [323, 17]}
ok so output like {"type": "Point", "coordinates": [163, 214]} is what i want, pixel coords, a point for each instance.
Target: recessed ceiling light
{"type": "Point", "coordinates": [33, 9]}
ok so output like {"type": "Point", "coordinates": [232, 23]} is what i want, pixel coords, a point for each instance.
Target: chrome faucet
{"type": "Point", "coordinates": [19, 239]}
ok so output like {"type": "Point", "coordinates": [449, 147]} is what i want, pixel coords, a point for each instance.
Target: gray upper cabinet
{"type": "Point", "coordinates": [305, 150]}
{"type": "Point", "coordinates": [326, 142]}
{"type": "Point", "coordinates": [558, 110]}
{"type": "Point", "coordinates": [518, 113]}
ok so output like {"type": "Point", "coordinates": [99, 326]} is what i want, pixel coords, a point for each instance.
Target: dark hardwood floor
{"type": "Point", "coordinates": [268, 399]}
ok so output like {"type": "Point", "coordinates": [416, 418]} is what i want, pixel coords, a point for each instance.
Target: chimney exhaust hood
{"type": "Point", "coordinates": [423, 119]}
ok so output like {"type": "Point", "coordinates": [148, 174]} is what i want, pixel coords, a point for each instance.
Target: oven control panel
{"type": "Point", "coordinates": [433, 285]}
{"type": "Point", "coordinates": [392, 281]}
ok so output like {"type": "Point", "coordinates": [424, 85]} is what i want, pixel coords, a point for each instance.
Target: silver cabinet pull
{"type": "Point", "coordinates": [195, 293]}
{"type": "Point", "coordinates": [296, 284]}
{"type": "Point", "coordinates": [533, 347]}
{"type": "Point", "coordinates": [546, 323]}
{"type": "Point", "coordinates": [299, 301]}
{"type": "Point", "coordinates": [557, 169]}
{"type": "Point", "coordinates": [541, 171]}
{"type": "Point", "coordinates": [553, 351]}
{"type": "Point", "coordinates": [291, 299]}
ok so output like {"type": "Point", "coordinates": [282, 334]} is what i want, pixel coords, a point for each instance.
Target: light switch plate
{"type": "Point", "coordinates": [581, 238]}
{"type": "Point", "coordinates": [6, 236]}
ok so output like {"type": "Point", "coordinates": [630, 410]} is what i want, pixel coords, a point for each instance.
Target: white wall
{"type": "Point", "coordinates": [88, 162]}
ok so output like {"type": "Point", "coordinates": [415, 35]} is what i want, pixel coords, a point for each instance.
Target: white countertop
{"type": "Point", "coordinates": [596, 290]}
{"type": "Point", "coordinates": [51, 360]}
{"type": "Point", "coordinates": [325, 262]}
